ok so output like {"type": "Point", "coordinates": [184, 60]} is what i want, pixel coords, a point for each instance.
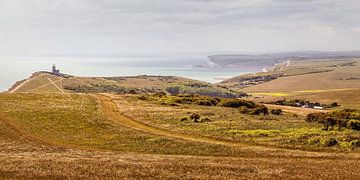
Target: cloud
{"type": "Point", "coordinates": [163, 26]}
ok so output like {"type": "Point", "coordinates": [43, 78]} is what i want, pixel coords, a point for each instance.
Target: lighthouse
{"type": "Point", "coordinates": [55, 71]}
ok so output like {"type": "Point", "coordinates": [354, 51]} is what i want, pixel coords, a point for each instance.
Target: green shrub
{"type": "Point", "coordinates": [235, 103]}
{"type": "Point", "coordinates": [315, 117]}
{"type": "Point", "coordinates": [334, 104]}
{"type": "Point", "coordinates": [159, 94]}
{"type": "Point", "coordinates": [355, 143]}
{"type": "Point", "coordinates": [195, 117]}
{"type": "Point", "coordinates": [205, 120]}
{"type": "Point", "coordinates": [204, 102]}
{"type": "Point", "coordinates": [327, 142]}
{"type": "Point", "coordinates": [202, 89]}
{"type": "Point", "coordinates": [276, 111]}
{"type": "Point", "coordinates": [313, 141]}
{"type": "Point", "coordinates": [354, 125]}
{"type": "Point", "coordinates": [350, 145]}
{"type": "Point", "coordinates": [184, 118]}
{"type": "Point", "coordinates": [349, 118]}
{"type": "Point", "coordinates": [323, 118]}
{"type": "Point", "coordinates": [260, 110]}
{"type": "Point", "coordinates": [143, 98]}
{"type": "Point", "coordinates": [244, 110]}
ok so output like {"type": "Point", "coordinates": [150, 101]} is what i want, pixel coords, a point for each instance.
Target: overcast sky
{"type": "Point", "coordinates": [123, 27]}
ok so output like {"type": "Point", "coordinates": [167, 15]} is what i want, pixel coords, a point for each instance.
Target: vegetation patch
{"type": "Point", "coordinates": [276, 111]}
{"type": "Point", "coordinates": [348, 118]}
{"type": "Point", "coordinates": [304, 103]}
{"type": "Point", "coordinates": [245, 107]}
{"type": "Point", "coordinates": [255, 133]}
{"type": "Point", "coordinates": [203, 89]}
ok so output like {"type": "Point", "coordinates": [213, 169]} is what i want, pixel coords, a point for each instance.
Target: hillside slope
{"type": "Point", "coordinates": [71, 138]}
{"type": "Point", "coordinates": [300, 75]}
{"type": "Point", "coordinates": [44, 82]}
{"type": "Point", "coordinates": [324, 81]}
{"type": "Point", "coordinates": [267, 60]}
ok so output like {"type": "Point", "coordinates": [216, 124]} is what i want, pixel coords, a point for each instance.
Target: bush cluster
{"type": "Point", "coordinates": [235, 103]}
{"type": "Point", "coordinates": [195, 117]}
{"type": "Point", "coordinates": [276, 111]}
{"type": "Point", "coordinates": [348, 118]}
{"type": "Point", "coordinates": [300, 103]}
{"type": "Point", "coordinates": [246, 107]}
{"type": "Point", "coordinates": [101, 88]}
{"type": "Point", "coordinates": [202, 89]}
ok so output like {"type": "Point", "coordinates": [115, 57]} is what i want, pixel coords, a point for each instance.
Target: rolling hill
{"type": "Point", "coordinates": [266, 60]}
{"type": "Point", "coordinates": [316, 80]}
{"type": "Point", "coordinates": [45, 82]}
{"type": "Point", "coordinates": [67, 127]}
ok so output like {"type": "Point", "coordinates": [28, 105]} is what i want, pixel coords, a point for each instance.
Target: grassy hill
{"type": "Point", "coordinates": [44, 82]}
{"type": "Point", "coordinates": [316, 80]}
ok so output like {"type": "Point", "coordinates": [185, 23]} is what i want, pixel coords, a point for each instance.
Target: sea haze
{"type": "Point", "coordinates": [15, 69]}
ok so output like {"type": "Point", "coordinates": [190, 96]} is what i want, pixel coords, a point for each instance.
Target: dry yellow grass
{"type": "Point", "coordinates": [26, 155]}
{"type": "Point", "coordinates": [40, 82]}
{"type": "Point", "coordinates": [342, 77]}
{"type": "Point", "coordinates": [40, 150]}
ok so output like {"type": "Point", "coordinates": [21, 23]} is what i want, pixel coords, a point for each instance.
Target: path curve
{"type": "Point", "coordinates": [111, 112]}
{"type": "Point", "coordinates": [20, 85]}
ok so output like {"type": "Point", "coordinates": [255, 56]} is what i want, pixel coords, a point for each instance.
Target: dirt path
{"type": "Point", "coordinates": [52, 82]}
{"type": "Point", "coordinates": [111, 112]}
{"type": "Point", "coordinates": [20, 85]}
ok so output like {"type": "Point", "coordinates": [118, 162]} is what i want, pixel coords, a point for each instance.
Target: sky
{"type": "Point", "coordinates": [141, 27]}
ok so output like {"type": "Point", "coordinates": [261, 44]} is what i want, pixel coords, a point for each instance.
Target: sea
{"type": "Point", "coordinates": [13, 69]}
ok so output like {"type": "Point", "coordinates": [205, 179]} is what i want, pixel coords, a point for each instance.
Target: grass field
{"type": "Point", "coordinates": [42, 82]}
{"type": "Point", "coordinates": [71, 136]}
{"type": "Point", "coordinates": [47, 132]}
{"type": "Point", "coordinates": [227, 123]}
{"type": "Point", "coordinates": [339, 82]}
{"type": "Point", "coordinates": [340, 77]}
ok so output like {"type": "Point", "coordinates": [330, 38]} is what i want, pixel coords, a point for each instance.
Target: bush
{"type": "Point", "coordinates": [355, 144]}
{"type": "Point", "coordinates": [354, 125]}
{"type": "Point", "coordinates": [334, 104]}
{"type": "Point", "coordinates": [195, 117]}
{"type": "Point", "coordinates": [260, 110]}
{"type": "Point", "coordinates": [205, 120]}
{"type": "Point", "coordinates": [184, 118]}
{"type": "Point", "coordinates": [276, 111]}
{"type": "Point", "coordinates": [315, 117]}
{"type": "Point", "coordinates": [350, 145]}
{"type": "Point", "coordinates": [204, 102]}
{"type": "Point", "coordinates": [313, 141]}
{"type": "Point", "coordinates": [159, 94]}
{"type": "Point", "coordinates": [143, 98]}
{"type": "Point", "coordinates": [235, 103]}
{"type": "Point", "coordinates": [244, 110]}
{"type": "Point", "coordinates": [349, 118]}
{"type": "Point", "coordinates": [329, 142]}
{"type": "Point", "coordinates": [202, 89]}
{"type": "Point", "coordinates": [132, 91]}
